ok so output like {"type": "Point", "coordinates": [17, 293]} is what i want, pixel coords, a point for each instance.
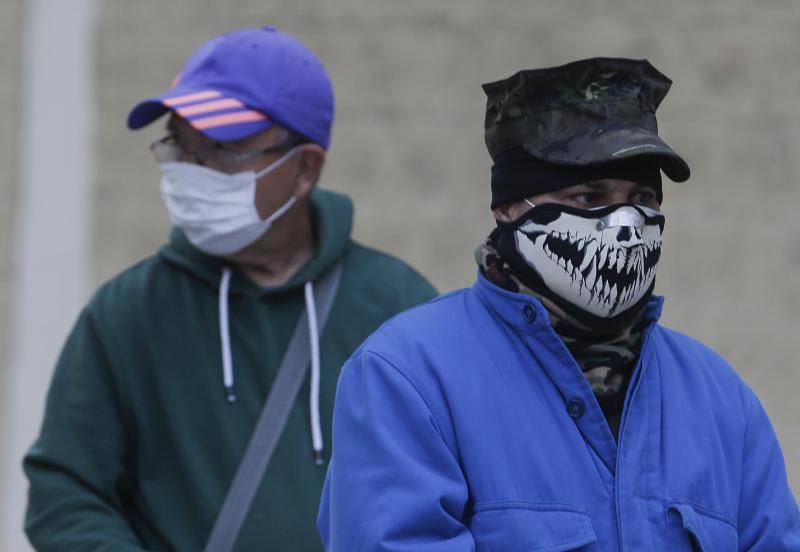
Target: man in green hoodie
{"type": "Point", "coordinates": [161, 383]}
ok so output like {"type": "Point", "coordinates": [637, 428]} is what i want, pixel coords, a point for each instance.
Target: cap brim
{"type": "Point", "coordinates": [219, 116]}
{"type": "Point", "coordinates": [607, 143]}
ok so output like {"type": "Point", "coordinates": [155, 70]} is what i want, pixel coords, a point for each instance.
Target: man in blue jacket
{"type": "Point", "coordinates": [544, 408]}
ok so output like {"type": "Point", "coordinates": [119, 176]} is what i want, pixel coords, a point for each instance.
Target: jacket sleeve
{"type": "Point", "coordinates": [393, 484]}
{"type": "Point", "coordinates": [77, 467]}
{"type": "Point", "coordinates": [768, 515]}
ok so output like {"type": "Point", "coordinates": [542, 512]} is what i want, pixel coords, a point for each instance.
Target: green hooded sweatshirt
{"type": "Point", "coordinates": [139, 443]}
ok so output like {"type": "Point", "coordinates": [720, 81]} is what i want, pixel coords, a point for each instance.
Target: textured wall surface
{"type": "Point", "coordinates": [10, 43]}
{"type": "Point", "coordinates": [408, 144]}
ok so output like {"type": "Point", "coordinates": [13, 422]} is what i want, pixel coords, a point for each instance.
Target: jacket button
{"type": "Point", "coordinates": [576, 408]}
{"type": "Point", "coordinates": [528, 313]}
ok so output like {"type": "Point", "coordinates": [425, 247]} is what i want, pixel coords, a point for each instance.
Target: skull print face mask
{"type": "Point", "coordinates": [600, 262]}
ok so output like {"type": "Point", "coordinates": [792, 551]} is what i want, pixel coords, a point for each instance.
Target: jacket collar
{"type": "Point", "coordinates": [528, 315]}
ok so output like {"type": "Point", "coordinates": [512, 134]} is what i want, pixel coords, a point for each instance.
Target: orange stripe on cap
{"type": "Point", "coordinates": [216, 105]}
{"type": "Point", "coordinates": [229, 119]}
{"type": "Point", "coordinates": [189, 98]}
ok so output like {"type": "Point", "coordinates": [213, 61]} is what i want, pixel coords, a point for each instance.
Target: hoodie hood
{"type": "Point", "coordinates": [332, 219]}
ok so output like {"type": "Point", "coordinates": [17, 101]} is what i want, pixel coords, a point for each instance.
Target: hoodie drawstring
{"type": "Point", "coordinates": [313, 331]}
{"type": "Point", "coordinates": [313, 399]}
{"type": "Point", "coordinates": [225, 336]}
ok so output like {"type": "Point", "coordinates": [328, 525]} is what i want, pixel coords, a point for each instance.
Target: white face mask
{"type": "Point", "coordinates": [217, 211]}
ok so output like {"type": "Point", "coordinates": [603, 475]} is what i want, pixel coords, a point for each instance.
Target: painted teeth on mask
{"type": "Point", "coordinates": [620, 261]}
{"type": "Point", "coordinates": [632, 260]}
{"type": "Point", "coordinates": [588, 255]}
{"type": "Point", "coordinates": [600, 288]}
{"type": "Point", "coordinates": [603, 255]}
{"type": "Point", "coordinates": [590, 279]}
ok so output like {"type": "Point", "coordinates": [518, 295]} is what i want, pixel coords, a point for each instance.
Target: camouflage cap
{"type": "Point", "coordinates": [586, 112]}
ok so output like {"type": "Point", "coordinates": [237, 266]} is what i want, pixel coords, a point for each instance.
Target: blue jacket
{"type": "Point", "coordinates": [465, 424]}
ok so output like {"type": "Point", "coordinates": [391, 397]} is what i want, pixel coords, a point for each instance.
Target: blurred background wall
{"type": "Point", "coordinates": [79, 192]}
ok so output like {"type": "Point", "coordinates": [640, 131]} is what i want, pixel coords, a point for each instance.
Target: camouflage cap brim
{"type": "Point", "coordinates": [609, 142]}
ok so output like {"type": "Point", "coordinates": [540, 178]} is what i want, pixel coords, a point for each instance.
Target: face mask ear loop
{"type": "Point", "coordinates": [529, 203]}
{"type": "Point", "coordinates": [268, 169]}
{"type": "Point", "coordinates": [281, 210]}
{"type": "Point", "coordinates": [277, 163]}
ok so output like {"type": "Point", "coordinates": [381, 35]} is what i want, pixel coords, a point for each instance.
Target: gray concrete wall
{"type": "Point", "coordinates": [50, 238]}
{"type": "Point", "coordinates": [408, 145]}
{"type": "Point", "coordinates": [10, 44]}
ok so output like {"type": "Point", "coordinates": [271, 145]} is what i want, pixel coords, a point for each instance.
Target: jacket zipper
{"type": "Point", "coordinates": [638, 372]}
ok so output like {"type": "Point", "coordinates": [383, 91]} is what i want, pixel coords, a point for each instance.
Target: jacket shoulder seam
{"type": "Point", "coordinates": [412, 385]}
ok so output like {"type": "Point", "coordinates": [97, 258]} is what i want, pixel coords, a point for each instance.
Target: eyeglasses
{"type": "Point", "coordinates": [218, 155]}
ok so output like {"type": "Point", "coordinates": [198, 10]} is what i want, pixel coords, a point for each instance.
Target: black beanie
{"type": "Point", "coordinates": [517, 175]}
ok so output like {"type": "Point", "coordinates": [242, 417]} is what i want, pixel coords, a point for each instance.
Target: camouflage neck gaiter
{"type": "Point", "coordinates": [607, 361]}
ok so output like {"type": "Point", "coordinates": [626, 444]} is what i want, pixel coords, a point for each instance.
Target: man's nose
{"type": "Point", "coordinates": [629, 235]}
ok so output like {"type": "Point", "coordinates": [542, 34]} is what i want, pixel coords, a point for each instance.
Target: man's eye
{"type": "Point", "coordinates": [586, 198]}
{"type": "Point", "coordinates": [175, 140]}
{"type": "Point", "coordinates": [226, 149]}
{"type": "Point", "coordinates": [644, 197]}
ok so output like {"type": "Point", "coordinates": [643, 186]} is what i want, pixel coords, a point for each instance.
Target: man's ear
{"type": "Point", "coordinates": [310, 159]}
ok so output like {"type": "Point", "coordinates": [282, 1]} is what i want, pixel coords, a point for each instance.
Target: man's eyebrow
{"type": "Point", "coordinates": [594, 184]}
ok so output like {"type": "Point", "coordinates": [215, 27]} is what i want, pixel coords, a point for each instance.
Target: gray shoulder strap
{"type": "Point", "coordinates": [271, 421]}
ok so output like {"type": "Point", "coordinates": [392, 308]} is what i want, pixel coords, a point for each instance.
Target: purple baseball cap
{"type": "Point", "coordinates": [240, 83]}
